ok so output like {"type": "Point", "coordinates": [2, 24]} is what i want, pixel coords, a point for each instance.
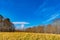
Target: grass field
{"type": "Point", "coordinates": [28, 36]}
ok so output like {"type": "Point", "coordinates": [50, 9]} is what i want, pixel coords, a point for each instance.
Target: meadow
{"type": "Point", "coordinates": [28, 36]}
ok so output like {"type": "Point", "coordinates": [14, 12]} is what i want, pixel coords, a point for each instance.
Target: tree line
{"type": "Point", "coordinates": [7, 26]}
{"type": "Point", "coordinates": [54, 28]}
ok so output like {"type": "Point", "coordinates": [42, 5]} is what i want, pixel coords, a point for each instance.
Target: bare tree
{"type": "Point", "coordinates": [6, 25]}
{"type": "Point", "coordinates": [56, 23]}
{"type": "Point", "coordinates": [9, 25]}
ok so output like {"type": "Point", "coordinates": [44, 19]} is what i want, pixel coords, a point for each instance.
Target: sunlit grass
{"type": "Point", "coordinates": [28, 36]}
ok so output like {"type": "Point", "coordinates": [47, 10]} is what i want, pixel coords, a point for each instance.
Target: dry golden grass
{"type": "Point", "coordinates": [28, 36]}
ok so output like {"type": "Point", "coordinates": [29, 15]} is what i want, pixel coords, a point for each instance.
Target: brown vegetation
{"type": "Point", "coordinates": [50, 28]}
{"type": "Point", "coordinates": [6, 25]}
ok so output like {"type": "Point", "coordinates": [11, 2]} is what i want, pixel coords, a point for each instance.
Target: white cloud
{"type": "Point", "coordinates": [20, 22]}
{"type": "Point", "coordinates": [52, 17]}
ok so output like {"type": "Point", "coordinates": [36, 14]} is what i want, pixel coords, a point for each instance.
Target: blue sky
{"type": "Point", "coordinates": [35, 12]}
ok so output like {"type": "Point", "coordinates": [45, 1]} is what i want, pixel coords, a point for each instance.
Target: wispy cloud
{"type": "Point", "coordinates": [45, 8]}
{"type": "Point", "coordinates": [20, 22]}
{"type": "Point", "coordinates": [39, 9]}
{"type": "Point", "coordinates": [52, 17]}
{"type": "Point", "coordinates": [43, 4]}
